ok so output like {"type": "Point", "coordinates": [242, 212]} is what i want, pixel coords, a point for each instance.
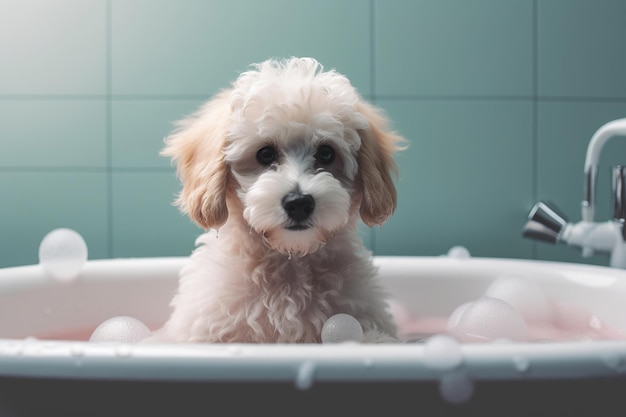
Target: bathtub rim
{"type": "Point", "coordinates": [263, 362]}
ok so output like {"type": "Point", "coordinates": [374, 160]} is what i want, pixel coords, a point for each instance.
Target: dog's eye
{"type": "Point", "coordinates": [266, 156]}
{"type": "Point", "coordinates": [325, 155]}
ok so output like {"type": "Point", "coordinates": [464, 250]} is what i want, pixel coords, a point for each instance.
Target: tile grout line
{"type": "Point", "coordinates": [535, 114]}
{"type": "Point", "coordinates": [109, 130]}
{"type": "Point", "coordinates": [408, 97]}
{"type": "Point", "coordinates": [372, 63]}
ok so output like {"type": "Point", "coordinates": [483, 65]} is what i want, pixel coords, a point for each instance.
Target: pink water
{"type": "Point", "coordinates": [567, 322]}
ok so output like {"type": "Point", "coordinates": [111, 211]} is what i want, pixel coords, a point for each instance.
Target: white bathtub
{"type": "Point", "coordinates": [40, 376]}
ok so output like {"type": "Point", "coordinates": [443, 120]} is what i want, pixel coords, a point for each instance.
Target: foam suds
{"type": "Point", "coordinates": [512, 308]}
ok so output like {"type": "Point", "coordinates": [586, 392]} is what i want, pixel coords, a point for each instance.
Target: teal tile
{"type": "Point", "coordinates": [453, 47]}
{"type": "Point", "coordinates": [564, 132]}
{"type": "Point", "coordinates": [580, 50]}
{"type": "Point", "coordinates": [34, 203]}
{"type": "Point", "coordinates": [145, 223]}
{"type": "Point", "coordinates": [198, 47]}
{"type": "Point", "coordinates": [139, 128]}
{"type": "Point", "coordinates": [53, 47]}
{"type": "Point", "coordinates": [53, 133]}
{"type": "Point", "coordinates": [466, 178]}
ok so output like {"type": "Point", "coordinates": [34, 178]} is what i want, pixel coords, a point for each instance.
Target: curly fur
{"type": "Point", "coordinates": [259, 274]}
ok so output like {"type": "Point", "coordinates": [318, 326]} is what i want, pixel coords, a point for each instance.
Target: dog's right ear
{"type": "Point", "coordinates": [196, 147]}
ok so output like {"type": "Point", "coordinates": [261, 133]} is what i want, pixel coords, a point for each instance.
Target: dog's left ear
{"type": "Point", "coordinates": [197, 148]}
{"type": "Point", "coordinates": [377, 167]}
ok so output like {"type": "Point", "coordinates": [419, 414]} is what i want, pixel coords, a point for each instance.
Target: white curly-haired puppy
{"type": "Point", "coordinates": [280, 167]}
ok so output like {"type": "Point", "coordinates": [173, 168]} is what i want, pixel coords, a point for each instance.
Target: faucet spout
{"type": "Point", "coordinates": [547, 224]}
{"type": "Point", "coordinates": [598, 140]}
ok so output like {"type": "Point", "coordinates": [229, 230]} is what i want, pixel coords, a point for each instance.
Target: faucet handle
{"type": "Point", "coordinates": [545, 223]}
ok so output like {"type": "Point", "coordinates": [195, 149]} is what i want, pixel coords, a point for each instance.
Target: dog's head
{"type": "Point", "coordinates": [295, 148]}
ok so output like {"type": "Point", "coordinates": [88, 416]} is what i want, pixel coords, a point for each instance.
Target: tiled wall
{"type": "Point", "coordinates": [498, 98]}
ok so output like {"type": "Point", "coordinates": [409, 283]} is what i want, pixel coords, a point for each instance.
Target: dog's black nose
{"type": "Point", "coordinates": [298, 207]}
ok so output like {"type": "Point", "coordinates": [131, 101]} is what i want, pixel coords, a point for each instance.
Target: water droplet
{"type": "Point", "coordinates": [521, 363]}
{"type": "Point", "coordinates": [442, 352]}
{"type": "Point", "coordinates": [614, 362]}
{"type": "Point", "coordinates": [235, 350]}
{"type": "Point", "coordinates": [123, 351]}
{"type": "Point", "coordinates": [77, 351]}
{"type": "Point", "coordinates": [13, 349]}
{"type": "Point", "coordinates": [456, 387]}
{"type": "Point", "coordinates": [305, 376]}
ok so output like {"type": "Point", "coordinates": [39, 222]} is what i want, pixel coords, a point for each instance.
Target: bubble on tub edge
{"type": "Point", "coordinates": [456, 387]}
{"type": "Point", "coordinates": [14, 348]}
{"type": "Point", "coordinates": [123, 351]}
{"type": "Point", "coordinates": [235, 350]}
{"type": "Point", "coordinates": [77, 350]}
{"type": "Point", "coordinates": [62, 254]}
{"type": "Point", "coordinates": [305, 375]}
{"type": "Point", "coordinates": [442, 352]}
{"type": "Point", "coordinates": [459, 252]}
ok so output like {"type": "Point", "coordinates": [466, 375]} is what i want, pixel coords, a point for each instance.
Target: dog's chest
{"type": "Point", "coordinates": [291, 301]}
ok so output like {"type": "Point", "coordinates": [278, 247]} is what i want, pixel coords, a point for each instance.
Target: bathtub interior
{"type": "Point", "coordinates": [45, 325]}
{"type": "Point", "coordinates": [35, 306]}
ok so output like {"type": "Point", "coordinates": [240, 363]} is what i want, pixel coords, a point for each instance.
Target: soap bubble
{"type": "Point", "coordinates": [122, 329]}
{"type": "Point", "coordinates": [456, 387]}
{"type": "Point", "coordinates": [489, 319]}
{"type": "Point", "coordinates": [63, 253]}
{"type": "Point", "coordinates": [342, 328]}
{"type": "Point", "coordinates": [524, 295]}
{"type": "Point", "coordinates": [459, 252]}
{"type": "Point", "coordinates": [442, 352]}
{"type": "Point", "coordinates": [456, 315]}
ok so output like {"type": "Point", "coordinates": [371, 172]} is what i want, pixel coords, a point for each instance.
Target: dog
{"type": "Point", "coordinates": [279, 168]}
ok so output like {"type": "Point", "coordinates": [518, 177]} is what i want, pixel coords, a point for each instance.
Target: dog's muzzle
{"type": "Point", "coordinates": [299, 207]}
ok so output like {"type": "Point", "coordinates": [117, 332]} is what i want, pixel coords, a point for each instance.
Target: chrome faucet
{"type": "Point", "coordinates": [547, 224]}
